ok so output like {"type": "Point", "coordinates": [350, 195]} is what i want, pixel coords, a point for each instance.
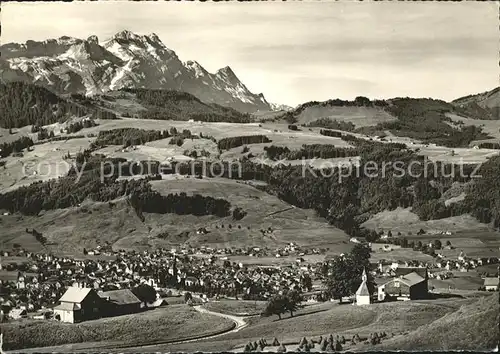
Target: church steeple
{"type": "Point", "coordinates": [363, 294]}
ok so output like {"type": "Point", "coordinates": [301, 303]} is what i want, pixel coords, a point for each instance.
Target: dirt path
{"type": "Point", "coordinates": [238, 320]}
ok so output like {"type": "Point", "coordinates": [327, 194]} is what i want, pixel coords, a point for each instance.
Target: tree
{"type": "Point", "coordinates": [145, 293]}
{"type": "Point", "coordinates": [344, 273]}
{"type": "Point", "coordinates": [362, 101]}
{"type": "Point", "coordinates": [448, 243]}
{"type": "Point", "coordinates": [437, 244]}
{"type": "Point", "coordinates": [188, 297]}
{"type": "Point", "coordinates": [277, 305]}
{"type": "Point", "coordinates": [306, 282]}
{"type": "Point", "coordinates": [338, 346]}
{"type": "Point", "coordinates": [293, 301]}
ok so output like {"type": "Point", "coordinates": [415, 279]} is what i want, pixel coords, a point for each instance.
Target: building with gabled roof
{"type": "Point", "coordinates": [119, 302]}
{"type": "Point", "coordinates": [408, 284]}
{"type": "Point", "coordinates": [491, 283]}
{"type": "Point", "coordinates": [77, 305]}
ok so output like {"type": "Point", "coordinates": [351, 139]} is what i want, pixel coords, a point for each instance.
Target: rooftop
{"type": "Point", "coordinates": [120, 297]}
{"type": "Point", "coordinates": [74, 294]}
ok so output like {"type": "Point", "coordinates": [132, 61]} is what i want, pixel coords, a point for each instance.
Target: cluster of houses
{"type": "Point", "coordinates": [41, 280]}
{"type": "Point", "coordinates": [100, 283]}
{"type": "Point", "coordinates": [290, 249]}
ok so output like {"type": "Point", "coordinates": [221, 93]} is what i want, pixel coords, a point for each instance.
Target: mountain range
{"type": "Point", "coordinates": [126, 60]}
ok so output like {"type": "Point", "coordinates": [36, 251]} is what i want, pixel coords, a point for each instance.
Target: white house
{"type": "Point", "coordinates": [491, 283]}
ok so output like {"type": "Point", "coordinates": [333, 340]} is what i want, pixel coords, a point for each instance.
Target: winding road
{"type": "Point", "coordinates": [239, 322]}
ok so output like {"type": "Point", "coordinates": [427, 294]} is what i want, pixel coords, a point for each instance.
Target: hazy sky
{"type": "Point", "coordinates": [299, 51]}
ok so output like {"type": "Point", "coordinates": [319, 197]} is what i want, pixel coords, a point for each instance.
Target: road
{"type": "Point", "coordinates": [239, 321]}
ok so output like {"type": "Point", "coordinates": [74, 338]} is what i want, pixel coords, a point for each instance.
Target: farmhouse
{"type": "Point", "coordinates": [78, 304]}
{"type": "Point", "coordinates": [491, 283]}
{"type": "Point", "coordinates": [408, 284]}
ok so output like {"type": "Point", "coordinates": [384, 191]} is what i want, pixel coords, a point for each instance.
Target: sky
{"type": "Point", "coordinates": [295, 52]}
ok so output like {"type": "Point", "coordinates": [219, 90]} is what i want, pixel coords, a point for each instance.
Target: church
{"type": "Point", "coordinates": [363, 294]}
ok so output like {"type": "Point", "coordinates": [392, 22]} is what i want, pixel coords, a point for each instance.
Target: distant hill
{"type": "Point", "coordinates": [361, 112]}
{"type": "Point", "coordinates": [423, 119]}
{"type": "Point", "coordinates": [484, 105]}
{"type": "Point", "coordinates": [126, 60]}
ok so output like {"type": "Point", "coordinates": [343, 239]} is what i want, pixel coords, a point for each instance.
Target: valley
{"type": "Point", "coordinates": [223, 222]}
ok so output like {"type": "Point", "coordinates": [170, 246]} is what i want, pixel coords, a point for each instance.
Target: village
{"type": "Point", "coordinates": [44, 286]}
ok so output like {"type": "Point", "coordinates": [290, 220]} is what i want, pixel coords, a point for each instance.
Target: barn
{"type": "Point", "coordinates": [120, 302]}
{"type": "Point", "coordinates": [408, 284]}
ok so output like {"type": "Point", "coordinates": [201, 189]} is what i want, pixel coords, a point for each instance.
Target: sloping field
{"type": "Point", "coordinates": [217, 130]}
{"type": "Point", "coordinates": [6, 137]}
{"type": "Point", "coordinates": [404, 221]}
{"type": "Point", "coordinates": [491, 127]}
{"type": "Point", "coordinates": [472, 327]}
{"type": "Point", "coordinates": [43, 163]}
{"type": "Point", "coordinates": [457, 155]}
{"type": "Point", "coordinates": [289, 224]}
{"type": "Point", "coordinates": [162, 324]}
{"type": "Point", "coordinates": [400, 255]}
{"type": "Point", "coordinates": [291, 140]}
{"type": "Point", "coordinates": [72, 229]}
{"type": "Point", "coordinates": [347, 320]}
{"type": "Point", "coordinates": [359, 116]}
{"type": "Point", "coordinates": [236, 307]}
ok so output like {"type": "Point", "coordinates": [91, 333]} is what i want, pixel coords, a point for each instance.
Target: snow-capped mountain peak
{"type": "Point", "coordinates": [126, 59]}
{"type": "Point", "coordinates": [226, 73]}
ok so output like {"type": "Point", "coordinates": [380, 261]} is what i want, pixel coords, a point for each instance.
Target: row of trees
{"type": "Point", "coordinates": [329, 123]}
{"type": "Point", "coordinates": [359, 101]}
{"type": "Point", "coordinates": [77, 126]}
{"type": "Point", "coordinates": [153, 202]}
{"type": "Point", "coordinates": [235, 141]}
{"type": "Point", "coordinates": [489, 145]}
{"type": "Point", "coordinates": [309, 151]}
{"type": "Point", "coordinates": [331, 133]}
{"type": "Point", "coordinates": [129, 136]}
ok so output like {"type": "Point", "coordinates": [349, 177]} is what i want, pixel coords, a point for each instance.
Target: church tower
{"type": "Point", "coordinates": [363, 294]}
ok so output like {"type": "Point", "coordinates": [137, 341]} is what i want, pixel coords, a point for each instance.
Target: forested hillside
{"type": "Point", "coordinates": [25, 104]}
{"type": "Point", "coordinates": [176, 105]}
{"type": "Point", "coordinates": [425, 119]}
